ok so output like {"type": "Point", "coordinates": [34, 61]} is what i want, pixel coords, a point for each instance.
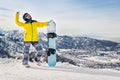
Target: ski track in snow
{"type": "Point", "coordinates": [14, 70]}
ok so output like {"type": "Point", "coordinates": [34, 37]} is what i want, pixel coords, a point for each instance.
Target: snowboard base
{"type": "Point", "coordinates": [51, 36]}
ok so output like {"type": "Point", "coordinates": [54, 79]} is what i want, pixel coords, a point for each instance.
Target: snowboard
{"type": "Point", "coordinates": [51, 36]}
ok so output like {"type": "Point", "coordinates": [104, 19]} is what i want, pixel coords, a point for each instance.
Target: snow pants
{"type": "Point", "coordinates": [37, 46]}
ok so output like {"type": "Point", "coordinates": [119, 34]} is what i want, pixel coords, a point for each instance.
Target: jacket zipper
{"type": "Point", "coordinates": [32, 31]}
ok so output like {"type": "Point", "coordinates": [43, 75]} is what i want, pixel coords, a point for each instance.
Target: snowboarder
{"type": "Point", "coordinates": [30, 36]}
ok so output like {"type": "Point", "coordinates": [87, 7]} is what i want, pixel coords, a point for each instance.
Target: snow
{"type": "Point", "coordinates": [11, 69]}
{"type": "Point", "coordinates": [103, 59]}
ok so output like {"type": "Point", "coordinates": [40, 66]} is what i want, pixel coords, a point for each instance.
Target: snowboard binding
{"type": "Point", "coordinates": [51, 51]}
{"type": "Point", "coordinates": [51, 35]}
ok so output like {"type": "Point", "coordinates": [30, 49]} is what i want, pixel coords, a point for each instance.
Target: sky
{"type": "Point", "coordinates": [72, 17]}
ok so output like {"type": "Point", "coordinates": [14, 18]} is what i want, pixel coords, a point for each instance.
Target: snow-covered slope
{"type": "Point", "coordinates": [13, 70]}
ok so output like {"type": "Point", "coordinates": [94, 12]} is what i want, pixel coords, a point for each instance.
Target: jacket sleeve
{"type": "Point", "coordinates": [17, 20]}
{"type": "Point", "coordinates": [42, 24]}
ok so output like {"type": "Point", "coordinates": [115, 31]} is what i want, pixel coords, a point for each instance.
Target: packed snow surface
{"type": "Point", "coordinates": [13, 70]}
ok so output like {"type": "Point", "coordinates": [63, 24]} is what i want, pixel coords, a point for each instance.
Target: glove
{"type": "Point", "coordinates": [17, 12]}
{"type": "Point", "coordinates": [50, 21]}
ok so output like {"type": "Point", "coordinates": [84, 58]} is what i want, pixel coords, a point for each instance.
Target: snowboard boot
{"type": "Point", "coordinates": [38, 62]}
{"type": "Point", "coordinates": [25, 63]}
{"type": "Point", "coordinates": [27, 66]}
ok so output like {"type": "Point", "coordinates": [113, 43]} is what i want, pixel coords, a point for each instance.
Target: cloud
{"type": "Point", "coordinates": [5, 9]}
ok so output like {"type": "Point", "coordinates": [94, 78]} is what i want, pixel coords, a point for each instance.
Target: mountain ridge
{"type": "Point", "coordinates": [63, 42]}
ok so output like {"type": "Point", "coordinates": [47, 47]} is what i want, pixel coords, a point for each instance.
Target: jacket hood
{"type": "Point", "coordinates": [25, 19]}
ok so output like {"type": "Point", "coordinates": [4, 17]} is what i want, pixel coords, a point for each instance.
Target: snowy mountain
{"type": "Point", "coordinates": [12, 42]}
{"type": "Point", "coordinates": [15, 38]}
{"type": "Point", "coordinates": [85, 43]}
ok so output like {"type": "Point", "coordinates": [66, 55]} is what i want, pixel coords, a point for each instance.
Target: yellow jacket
{"type": "Point", "coordinates": [30, 29]}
